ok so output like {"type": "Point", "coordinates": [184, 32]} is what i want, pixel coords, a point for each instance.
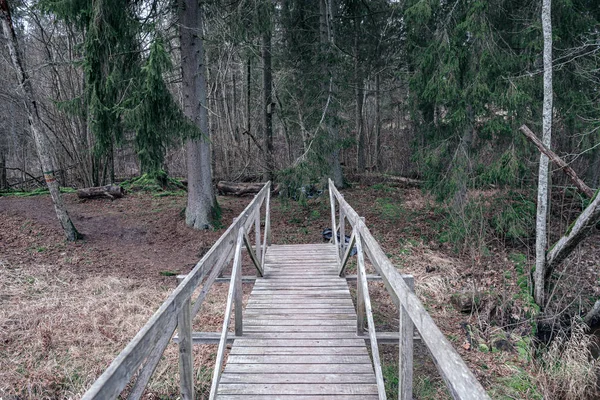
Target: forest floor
{"type": "Point", "coordinates": [67, 309]}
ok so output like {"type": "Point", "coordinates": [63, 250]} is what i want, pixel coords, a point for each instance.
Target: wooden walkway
{"type": "Point", "coordinates": [299, 333]}
{"type": "Point", "coordinates": [297, 337]}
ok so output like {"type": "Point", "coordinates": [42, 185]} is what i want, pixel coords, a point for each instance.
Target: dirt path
{"type": "Point", "coordinates": [135, 237]}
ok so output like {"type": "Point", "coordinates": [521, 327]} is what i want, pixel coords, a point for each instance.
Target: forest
{"type": "Point", "coordinates": [467, 132]}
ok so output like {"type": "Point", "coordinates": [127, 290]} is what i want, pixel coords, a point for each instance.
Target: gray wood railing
{"type": "Point", "coordinates": [461, 383]}
{"type": "Point", "coordinates": [140, 357]}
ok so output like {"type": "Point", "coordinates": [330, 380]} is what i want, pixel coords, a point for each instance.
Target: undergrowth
{"type": "Point", "coordinates": [34, 192]}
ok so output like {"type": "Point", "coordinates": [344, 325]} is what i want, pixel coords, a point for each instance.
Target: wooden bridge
{"type": "Point", "coordinates": [300, 335]}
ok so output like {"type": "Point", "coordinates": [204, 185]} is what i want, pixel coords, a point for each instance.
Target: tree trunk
{"type": "Point", "coordinates": [41, 141]}
{"type": "Point", "coordinates": [358, 93]}
{"type": "Point", "coordinates": [327, 43]}
{"type": "Point", "coordinates": [201, 198]}
{"type": "Point", "coordinates": [377, 124]}
{"type": "Point", "coordinates": [3, 180]}
{"type": "Point", "coordinates": [268, 105]}
{"type": "Point", "coordinates": [543, 175]}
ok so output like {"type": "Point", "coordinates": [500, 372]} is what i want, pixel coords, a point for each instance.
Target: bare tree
{"type": "Point", "coordinates": [201, 198]}
{"type": "Point", "coordinates": [543, 175]}
{"type": "Point", "coordinates": [42, 143]}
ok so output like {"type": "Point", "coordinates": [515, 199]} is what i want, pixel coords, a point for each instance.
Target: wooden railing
{"type": "Point", "coordinates": [141, 356]}
{"type": "Point", "coordinates": [460, 381]}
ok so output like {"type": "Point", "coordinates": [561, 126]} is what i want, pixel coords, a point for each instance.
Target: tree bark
{"type": "Point", "coordinates": [42, 143]}
{"type": "Point", "coordinates": [3, 180]}
{"type": "Point", "coordinates": [327, 43]}
{"type": "Point", "coordinates": [377, 124]}
{"type": "Point", "coordinates": [201, 198]}
{"type": "Point", "coordinates": [358, 93]}
{"type": "Point", "coordinates": [585, 189]}
{"type": "Point", "coordinates": [268, 104]}
{"type": "Point", "coordinates": [109, 191]}
{"type": "Point", "coordinates": [543, 174]}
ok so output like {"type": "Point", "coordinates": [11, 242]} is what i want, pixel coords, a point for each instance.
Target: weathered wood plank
{"type": "Point", "coordinates": [297, 396]}
{"type": "Point", "coordinates": [300, 335]}
{"type": "Point", "coordinates": [246, 342]}
{"type": "Point", "coordinates": [316, 351]}
{"type": "Point", "coordinates": [307, 321]}
{"type": "Point", "coordinates": [299, 368]}
{"type": "Point", "coordinates": [298, 378]}
{"type": "Point", "coordinates": [298, 359]}
{"type": "Point", "coordinates": [299, 388]}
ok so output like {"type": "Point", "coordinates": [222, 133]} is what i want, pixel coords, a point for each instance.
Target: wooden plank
{"type": "Point", "coordinates": [298, 378]}
{"type": "Point", "coordinates": [295, 322]}
{"type": "Point", "coordinates": [298, 359]}
{"type": "Point", "coordinates": [247, 342]}
{"type": "Point", "coordinates": [300, 335]}
{"type": "Point", "coordinates": [299, 328]}
{"type": "Point", "coordinates": [299, 368]}
{"type": "Point", "coordinates": [274, 316]}
{"type": "Point", "coordinates": [297, 396]}
{"type": "Point", "coordinates": [250, 311]}
{"type": "Point", "coordinates": [317, 351]}
{"type": "Point", "coordinates": [299, 388]}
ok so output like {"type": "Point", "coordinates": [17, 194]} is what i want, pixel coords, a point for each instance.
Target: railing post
{"type": "Point", "coordinates": [405, 358]}
{"type": "Point", "coordinates": [342, 225]}
{"type": "Point", "coordinates": [186, 362]}
{"type": "Point", "coordinates": [268, 218]}
{"type": "Point", "coordinates": [333, 227]}
{"type": "Point", "coordinates": [237, 297]}
{"type": "Point", "coordinates": [257, 234]}
{"type": "Point", "coordinates": [360, 296]}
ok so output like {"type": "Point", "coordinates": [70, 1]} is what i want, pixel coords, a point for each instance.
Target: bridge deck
{"type": "Point", "coordinates": [299, 333]}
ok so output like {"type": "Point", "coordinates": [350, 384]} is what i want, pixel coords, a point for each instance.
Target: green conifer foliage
{"type": "Point", "coordinates": [155, 117]}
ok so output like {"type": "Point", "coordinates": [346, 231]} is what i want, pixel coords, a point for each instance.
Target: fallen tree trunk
{"type": "Point", "coordinates": [370, 178]}
{"type": "Point", "coordinates": [576, 233]}
{"type": "Point", "coordinates": [109, 191]}
{"type": "Point", "coordinates": [242, 188]}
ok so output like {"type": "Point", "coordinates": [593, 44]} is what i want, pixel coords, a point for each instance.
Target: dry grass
{"type": "Point", "coordinates": [58, 332]}
{"type": "Point", "coordinates": [567, 370]}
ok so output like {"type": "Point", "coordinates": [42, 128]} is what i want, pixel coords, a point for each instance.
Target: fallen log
{"type": "Point", "coordinates": [109, 191]}
{"type": "Point", "coordinates": [242, 188]}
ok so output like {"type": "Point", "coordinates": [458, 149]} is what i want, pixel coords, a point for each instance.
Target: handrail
{"type": "Point", "coordinates": [144, 351]}
{"type": "Point", "coordinates": [459, 379]}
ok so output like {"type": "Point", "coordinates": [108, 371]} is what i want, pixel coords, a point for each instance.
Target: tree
{"type": "Point", "coordinates": [41, 141]}
{"type": "Point", "coordinates": [268, 103]}
{"type": "Point", "coordinates": [201, 204]}
{"type": "Point", "coordinates": [543, 175]}
{"type": "Point", "coordinates": [326, 34]}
